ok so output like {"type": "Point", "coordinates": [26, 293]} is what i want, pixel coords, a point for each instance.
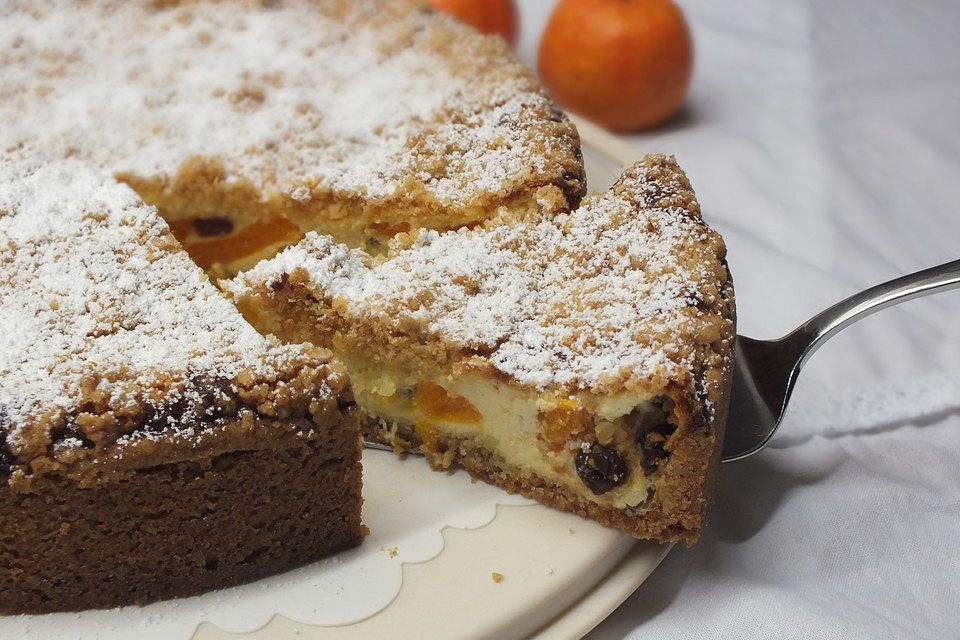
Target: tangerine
{"type": "Point", "coordinates": [487, 16]}
{"type": "Point", "coordinates": [625, 64]}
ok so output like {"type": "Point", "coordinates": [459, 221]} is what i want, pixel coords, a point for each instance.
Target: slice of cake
{"type": "Point", "coordinates": [248, 123]}
{"type": "Point", "coordinates": [152, 443]}
{"type": "Point", "coordinates": [583, 360]}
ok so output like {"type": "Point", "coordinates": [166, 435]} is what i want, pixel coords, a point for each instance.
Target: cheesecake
{"type": "Point", "coordinates": [581, 359]}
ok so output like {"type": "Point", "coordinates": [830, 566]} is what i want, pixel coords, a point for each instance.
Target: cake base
{"type": "Point", "coordinates": [675, 512]}
{"type": "Point", "coordinates": [179, 529]}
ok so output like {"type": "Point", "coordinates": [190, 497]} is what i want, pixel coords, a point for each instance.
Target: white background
{"type": "Point", "coordinates": [823, 139]}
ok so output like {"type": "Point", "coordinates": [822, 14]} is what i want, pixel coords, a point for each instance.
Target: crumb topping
{"type": "Point", "coordinates": [631, 286]}
{"type": "Point", "coordinates": [108, 326]}
{"type": "Point", "coordinates": [364, 98]}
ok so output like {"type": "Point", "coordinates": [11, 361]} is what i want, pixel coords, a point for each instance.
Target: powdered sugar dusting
{"type": "Point", "coordinates": [355, 97]}
{"type": "Point", "coordinates": [626, 287]}
{"type": "Point", "coordinates": [98, 300]}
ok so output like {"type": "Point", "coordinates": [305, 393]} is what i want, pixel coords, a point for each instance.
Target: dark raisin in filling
{"type": "Point", "coordinates": [204, 392]}
{"type": "Point", "coordinates": [653, 443]}
{"type": "Point", "coordinates": [651, 431]}
{"type": "Point", "coordinates": [601, 468]}
{"type": "Point", "coordinates": [211, 227]}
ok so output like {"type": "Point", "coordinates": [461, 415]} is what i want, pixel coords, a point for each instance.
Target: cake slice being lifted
{"type": "Point", "coordinates": [583, 360]}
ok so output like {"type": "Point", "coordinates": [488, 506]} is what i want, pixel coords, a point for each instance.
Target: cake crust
{"type": "Point", "coordinates": [627, 299]}
{"type": "Point", "coordinates": [181, 528]}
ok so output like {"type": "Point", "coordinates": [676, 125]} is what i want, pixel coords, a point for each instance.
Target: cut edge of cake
{"type": "Point", "coordinates": [582, 359]}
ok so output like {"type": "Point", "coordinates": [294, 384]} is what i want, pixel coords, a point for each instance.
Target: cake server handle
{"type": "Point", "coordinates": [765, 371]}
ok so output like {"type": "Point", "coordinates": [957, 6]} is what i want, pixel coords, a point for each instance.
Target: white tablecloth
{"type": "Point", "coordinates": [823, 139]}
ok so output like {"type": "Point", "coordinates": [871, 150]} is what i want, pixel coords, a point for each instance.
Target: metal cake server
{"type": "Point", "coordinates": [765, 371]}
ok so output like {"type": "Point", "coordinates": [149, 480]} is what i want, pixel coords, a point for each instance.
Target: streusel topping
{"type": "Point", "coordinates": [108, 326]}
{"type": "Point", "coordinates": [361, 98]}
{"type": "Point", "coordinates": [629, 287]}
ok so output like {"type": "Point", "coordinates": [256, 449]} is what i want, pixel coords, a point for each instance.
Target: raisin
{"type": "Point", "coordinates": [653, 445]}
{"type": "Point", "coordinates": [159, 418]}
{"type": "Point", "coordinates": [601, 468]}
{"type": "Point", "coordinates": [204, 402]}
{"type": "Point", "coordinates": [210, 227]}
{"type": "Point", "coordinates": [652, 431]}
{"type": "Point", "coordinates": [215, 394]}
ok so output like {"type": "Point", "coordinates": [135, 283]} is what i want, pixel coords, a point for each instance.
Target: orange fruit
{"type": "Point", "coordinates": [487, 16]}
{"type": "Point", "coordinates": [625, 64]}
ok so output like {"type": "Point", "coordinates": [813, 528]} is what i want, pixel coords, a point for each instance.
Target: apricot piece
{"type": "Point", "coordinates": [243, 243]}
{"type": "Point", "coordinates": [561, 422]}
{"type": "Point", "coordinates": [442, 406]}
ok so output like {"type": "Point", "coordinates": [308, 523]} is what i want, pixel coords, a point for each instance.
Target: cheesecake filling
{"type": "Point", "coordinates": [603, 448]}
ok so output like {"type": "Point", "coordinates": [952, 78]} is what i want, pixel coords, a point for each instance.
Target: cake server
{"type": "Point", "coordinates": [765, 371]}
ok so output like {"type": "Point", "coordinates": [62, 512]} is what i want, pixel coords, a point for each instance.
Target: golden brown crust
{"type": "Point", "coordinates": [224, 411]}
{"type": "Point", "coordinates": [89, 463]}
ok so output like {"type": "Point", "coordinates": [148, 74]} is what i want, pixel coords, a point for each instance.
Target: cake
{"type": "Point", "coordinates": [249, 123]}
{"type": "Point", "coordinates": [152, 443]}
{"type": "Point", "coordinates": [436, 288]}
{"type": "Point", "coordinates": [582, 359]}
